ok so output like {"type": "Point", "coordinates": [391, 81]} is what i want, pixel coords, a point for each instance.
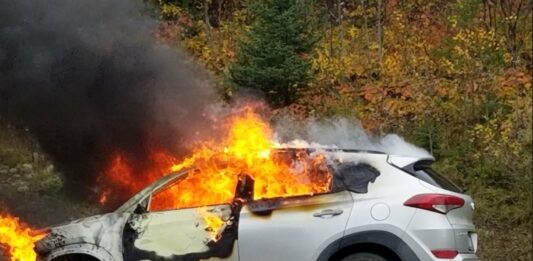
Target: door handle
{"type": "Point", "coordinates": [328, 212]}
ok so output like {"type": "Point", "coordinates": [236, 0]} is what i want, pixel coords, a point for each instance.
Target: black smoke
{"type": "Point", "coordinates": [88, 78]}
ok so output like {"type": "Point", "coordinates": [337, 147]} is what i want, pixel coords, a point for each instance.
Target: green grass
{"type": "Point", "coordinates": [503, 223]}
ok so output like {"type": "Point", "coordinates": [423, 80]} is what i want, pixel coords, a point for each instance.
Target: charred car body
{"type": "Point", "coordinates": [379, 207]}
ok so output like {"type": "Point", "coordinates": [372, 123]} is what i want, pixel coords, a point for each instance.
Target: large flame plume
{"type": "Point", "coordinates": [247, 148]}
{"type": "Point", "coordinates": [18, 239]}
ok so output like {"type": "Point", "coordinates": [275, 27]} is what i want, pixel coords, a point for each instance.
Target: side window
{"type": "Point", "coordinates": [166, 198]}
{"type": "Point", "coordinates": [190, 192]}
{"type": "Point", "coordinates": [354, 177]}
{"type": "Point", "coordinates": [298, 173]}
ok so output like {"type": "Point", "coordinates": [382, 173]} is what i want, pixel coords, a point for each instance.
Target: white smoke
{"type": "Point", "coordinates": [342, 134]}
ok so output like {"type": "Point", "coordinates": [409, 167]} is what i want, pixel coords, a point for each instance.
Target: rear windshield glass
{"type": "Point", "coordinates": [427, 174]}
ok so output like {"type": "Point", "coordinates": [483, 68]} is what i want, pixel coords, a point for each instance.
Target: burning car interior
{"type": "Point", "coordinates": [218, 221]}
{"type": "Point", "coordinates": [210, 221]}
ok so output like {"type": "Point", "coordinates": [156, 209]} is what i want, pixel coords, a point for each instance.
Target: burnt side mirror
{"type": "Point", "coordinates": [142, 207]}
{"type": "Point", "coordinates": [245, 189]}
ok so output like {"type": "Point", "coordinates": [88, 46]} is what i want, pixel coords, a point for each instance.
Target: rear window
{"type": "Point", "coordinates": [423, 171]}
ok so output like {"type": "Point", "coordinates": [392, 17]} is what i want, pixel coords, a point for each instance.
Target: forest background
{"type": "Point", "coordinates": [453, 77]}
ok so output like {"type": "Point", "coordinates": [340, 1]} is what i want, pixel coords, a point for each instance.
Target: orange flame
{"type": "Point", "coordinates": [120, 175]}
{"type": "Point", "coordinates": [246, 149]}
{"type": "Point", "coordinates": [18, 238]}
{"type": "Point", "coordinates": [213, 222]}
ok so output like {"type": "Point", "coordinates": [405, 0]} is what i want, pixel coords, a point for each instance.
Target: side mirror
{"type": "Point", "coordinates": [245, 188]}
{"type": "Point", "coordinates": [142, 207]}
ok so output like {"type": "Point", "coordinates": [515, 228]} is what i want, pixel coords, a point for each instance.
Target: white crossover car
{"type": "Point", "coordinates": [380, 208]}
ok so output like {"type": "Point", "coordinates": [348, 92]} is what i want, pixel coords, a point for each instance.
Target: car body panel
{"type": "Point", "coordinates": [291, 229]}
{"type": "Point", "coordinates": [96, 235]}
{"type": "Point", "coordinates": [460, 220]}
{"type": "Point", "coordinates": [431, 230]}
{"type": "Point", "coordinates": [388, 191]}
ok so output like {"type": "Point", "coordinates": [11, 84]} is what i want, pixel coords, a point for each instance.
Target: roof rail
{"type": "Point", "coordinates": [364, 151]}
{"type": "Point", "coordinates": [313, 149]}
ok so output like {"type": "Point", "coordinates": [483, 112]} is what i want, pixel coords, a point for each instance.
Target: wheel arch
{"type": "Point", "coordinates": [375, 241]}
{"type": "Point", "coordinates": [84, 257]}
{"type": "Point", "coordinates": [94, 251]}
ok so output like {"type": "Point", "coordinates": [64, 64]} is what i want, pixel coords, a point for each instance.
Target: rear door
{"type": "Point", "coordinates": [295, 228]}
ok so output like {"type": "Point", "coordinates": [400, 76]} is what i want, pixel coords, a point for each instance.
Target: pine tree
{"type": "Point", "coordinates": [273, 57]}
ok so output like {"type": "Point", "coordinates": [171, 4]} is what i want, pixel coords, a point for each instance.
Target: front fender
{"type": "Point", "coordinates": [87, 249]}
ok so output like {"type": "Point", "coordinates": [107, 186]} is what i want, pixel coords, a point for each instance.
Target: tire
{"type": "Point", "coordinates": [364, 256]}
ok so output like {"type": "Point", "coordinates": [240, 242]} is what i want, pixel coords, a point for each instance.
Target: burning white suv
{"type": "Point", "coordinates": [379, 207]}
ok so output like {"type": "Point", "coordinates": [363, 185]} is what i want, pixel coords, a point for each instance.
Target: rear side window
{"type": "Point", "coordinates": [423, 171]}
{"type": "Point", "coordinates": [354, 177]}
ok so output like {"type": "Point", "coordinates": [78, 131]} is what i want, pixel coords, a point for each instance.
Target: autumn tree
{"type": "Point", "coordinates": [274, 56]}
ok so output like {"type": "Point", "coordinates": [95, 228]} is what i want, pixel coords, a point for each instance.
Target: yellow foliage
{"type": "Point", "coordinates": [169, 10]}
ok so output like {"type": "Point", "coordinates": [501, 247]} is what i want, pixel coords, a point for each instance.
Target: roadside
{"type": "Point", "coordinates": [30, 187]}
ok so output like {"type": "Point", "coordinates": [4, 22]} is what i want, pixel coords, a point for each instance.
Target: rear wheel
{"type": "Point", "coordinates": [364, 257]}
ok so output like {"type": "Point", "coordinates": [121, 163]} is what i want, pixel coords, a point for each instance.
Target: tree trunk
{"type": "Point", "coordinates": [367, 36]}
{"type": "Point", "coordinates": [207, 24]}
{"type": "Point", "coordinates": [380, 33]}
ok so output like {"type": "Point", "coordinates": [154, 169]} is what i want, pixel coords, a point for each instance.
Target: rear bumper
{"type": "Point", "coordinates": [423, 253]}
{"type": "Point", "coordinates": [430, 231]}
{"type": "Point", "coordinates": [464, 257]}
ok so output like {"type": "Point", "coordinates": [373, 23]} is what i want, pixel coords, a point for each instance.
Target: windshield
{"type": "Point", "coordinates": [143, 194]}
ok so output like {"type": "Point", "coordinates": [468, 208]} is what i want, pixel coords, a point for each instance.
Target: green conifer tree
{"type": "Point", "coordinates": [274, 56]}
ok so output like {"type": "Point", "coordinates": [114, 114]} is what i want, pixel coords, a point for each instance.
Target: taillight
{"type": "Point", "coordinates": [440, 203]}
{"type": "Point", "coordinates": [445, 253]}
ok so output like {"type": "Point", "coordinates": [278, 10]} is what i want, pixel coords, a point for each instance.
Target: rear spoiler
{"type": "Point", "coordinates": [412, 164]}
{"type": "Point", "coordinates": [403, 161]}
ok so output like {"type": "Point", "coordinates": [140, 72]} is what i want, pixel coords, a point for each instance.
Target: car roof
{"type": "Point", "coordinates": [396, 159]}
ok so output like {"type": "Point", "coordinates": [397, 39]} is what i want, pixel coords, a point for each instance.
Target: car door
{"type": "Point", "coordinates": [294, 228]}
{"type": "Point", "coordinates": [162, 233]}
